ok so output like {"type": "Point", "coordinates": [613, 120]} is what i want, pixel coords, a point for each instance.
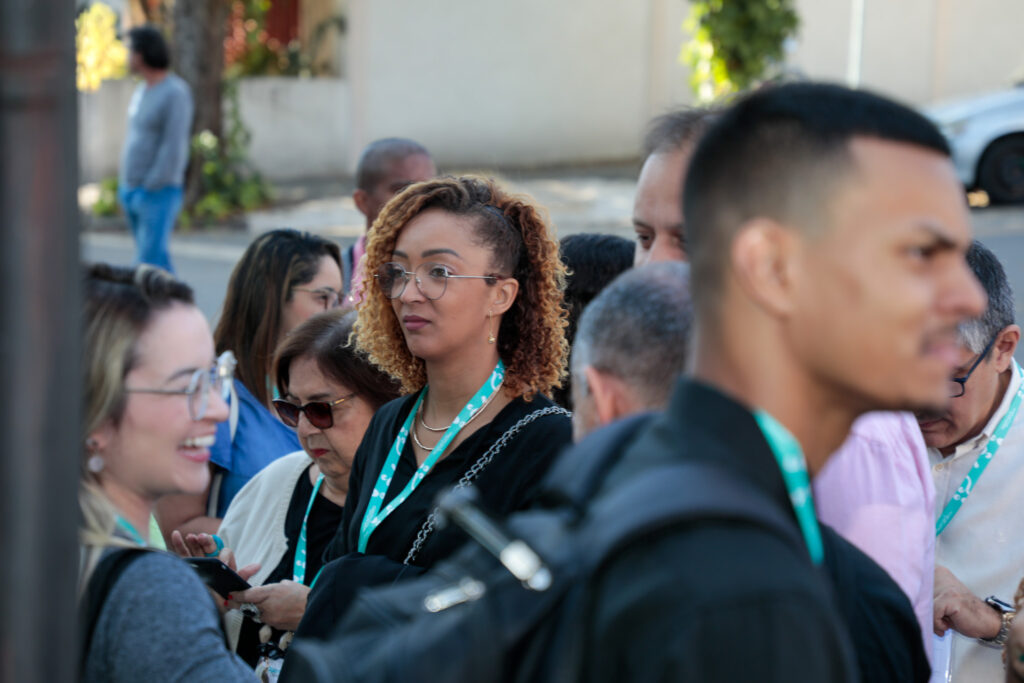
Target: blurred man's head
{"type": "Point", "coordinates": [658, 207]}
{"type": "Point", "coordinates": [631, 345]}
{"type": "Point", "coordinates": [827, 231]}
{"type": "Point", "coordinates": [387, 167]}
{"type": "Point", "coordinates": [147, 50]}
{"type": "Point", "coordinates": [984, 361]}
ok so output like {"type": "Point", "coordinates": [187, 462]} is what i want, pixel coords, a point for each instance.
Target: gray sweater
{"type": "Point", "coordinates": [155, 152]}
{"type": "Point", "coordinates": [159, 623]}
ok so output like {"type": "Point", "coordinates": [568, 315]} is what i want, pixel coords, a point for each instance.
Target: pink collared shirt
{"type": "Point", "coordinates": [877, 492]}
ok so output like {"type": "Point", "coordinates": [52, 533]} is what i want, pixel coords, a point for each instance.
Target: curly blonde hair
{"type": "Point", "coordinates": [531, 338]}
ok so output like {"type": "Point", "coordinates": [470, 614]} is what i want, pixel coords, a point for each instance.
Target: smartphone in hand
{"type": "Point", "coordinates": [218, 576]}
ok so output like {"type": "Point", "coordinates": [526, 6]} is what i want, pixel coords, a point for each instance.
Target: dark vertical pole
{"type": "Point", "coordinates": [39, 341]}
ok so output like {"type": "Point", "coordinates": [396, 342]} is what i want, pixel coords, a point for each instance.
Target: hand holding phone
{"type": "Point", "coordinates": [218, 576]}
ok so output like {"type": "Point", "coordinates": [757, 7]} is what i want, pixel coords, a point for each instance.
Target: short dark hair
{"type": "Point", "coordinates": [676, 129]}
{"type": "Point", "coordinates": [999, 314]}
{"type": "Point", "coordinates": [261, 284]}
{"type": "Point", "coordinates": [592, 261]}
{"type": "Point", "coordinates": [638, 329]}
{"type": "Point", "coordinates": [779, 153]}
{"type": "Point", "coordinates": [379, 155]}
{"type": "Point", "coordinates": [325, 338]}
{"type": "Point", "coordinates": [150, 44]}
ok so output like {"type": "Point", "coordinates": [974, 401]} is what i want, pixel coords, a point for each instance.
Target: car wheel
{"type": "Point", "coordinates": [1001, 171]}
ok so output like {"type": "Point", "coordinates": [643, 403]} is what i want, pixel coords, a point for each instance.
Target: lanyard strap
{"type": "Point", "coordinates": [127, 527]}
{"type": "Point", "coordinates": [299, 568]}
{"type": "Point", "coordinates": [374, 514]}
{"type": "Point", "coordinates": [793, 466]}
{"type": "Point", "coordinates": [984, 458]}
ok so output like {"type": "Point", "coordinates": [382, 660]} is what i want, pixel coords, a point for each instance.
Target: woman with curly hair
{"type": "Point", "coordinates": [466, 312]}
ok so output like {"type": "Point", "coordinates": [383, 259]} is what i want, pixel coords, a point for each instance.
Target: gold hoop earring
{"type": "Point", "coordinates": [490, 332]}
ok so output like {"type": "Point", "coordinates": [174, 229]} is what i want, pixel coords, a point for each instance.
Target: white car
{"type": "Point", "coordinates": [986, 134]}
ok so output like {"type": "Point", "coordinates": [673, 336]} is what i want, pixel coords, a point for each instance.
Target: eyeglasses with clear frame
{"type": "Point", "coordinates": [325, 296]}
{"type": "Point", "coordinates": [319, 413]}
{"type": "Point", "coordinates": [217, 378]}
{"type": "Point", "coordinates": [959, 384]}
{"type": "Point", "coordinates": [431, 279]}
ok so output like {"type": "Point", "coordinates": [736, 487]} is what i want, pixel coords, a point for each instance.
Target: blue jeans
{"type": "Point", "coordinates": [151, 215]}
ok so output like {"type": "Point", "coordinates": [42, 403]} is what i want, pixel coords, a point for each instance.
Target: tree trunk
{"type": "Point", "coordinates": [199, 28]}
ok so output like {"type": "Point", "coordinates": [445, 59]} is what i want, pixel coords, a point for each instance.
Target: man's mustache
{"type": "Point", "coordinates": [930, 415]}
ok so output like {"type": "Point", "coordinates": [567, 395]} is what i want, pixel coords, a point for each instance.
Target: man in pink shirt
{"type": "Point", "coordinates": [877, 492]}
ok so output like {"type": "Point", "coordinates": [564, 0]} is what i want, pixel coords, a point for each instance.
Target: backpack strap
{"type": "Point", "coordinates": [674, 494]}
{"type": "Point", "coordinates": [102, 580]}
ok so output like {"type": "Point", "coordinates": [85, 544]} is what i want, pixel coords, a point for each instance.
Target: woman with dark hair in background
{"type": "Point", "coordinates": [286, 515]}
{"type": "Point", "coordinates": [592, 261]}
{"type": "Point", "coordinates": [283, 278]}
{"type": "Point", "coordinates": [153, 398]}
{"type": "Point", "coordinates": [466, 312]}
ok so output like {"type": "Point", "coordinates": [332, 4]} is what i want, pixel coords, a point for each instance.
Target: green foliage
{"type": "Point", "coordinates": [106, 203]}
{"type": "Point", "coordinates": [735, 43]}
{"type": "Point", "coordinates": [250, 51]}
{"type": "Point", "coordinates": [228, 182]}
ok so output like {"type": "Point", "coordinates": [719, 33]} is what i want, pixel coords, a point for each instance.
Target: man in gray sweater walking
{"type": "Point", "coordinates": [155, 153]}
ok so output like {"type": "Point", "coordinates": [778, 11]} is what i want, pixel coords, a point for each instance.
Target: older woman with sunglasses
{"type": "Point", "coordinates": [283, 278]}
{"type": "Point", "coordinates": [153, 398]}
{"type": "Point", "coordinates": [466, 312]}
{"type": "Point", "coordinates": [285, 516]}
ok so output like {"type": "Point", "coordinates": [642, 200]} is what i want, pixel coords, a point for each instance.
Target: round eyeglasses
{"type": "Point", "coordinates": [431, 279]}
{"type": "Point", "coordinates": [325, 296]}
{"type": "Point", "coordinates": [959, 384]}
{"type": "Point", "coordinates": [319, 413]}
{"type": "Point", "coordinates": [202, 381]}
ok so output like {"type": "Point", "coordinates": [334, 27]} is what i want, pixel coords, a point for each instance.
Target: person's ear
{"type": "Point", "coordinates": [362, 200]}
{"type": "Point", "coordinates": [609, 394]}
{"type": "Point", "coordinates": [1004, 347]}
{"type": "Point", "coordinates": [505, 292]}
{"type": "Point", "coordinates": [764, 256]}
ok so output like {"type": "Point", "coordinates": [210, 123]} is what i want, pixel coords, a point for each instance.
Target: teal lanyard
{"type": "Point", "coordinates": [127, 527]}
{"type": "Point", "coordinates": [793, 466]}
{"type": "Point", "coordinates": [299, 568]}
{"type": "Point", "coordinates": [957, 501]}
{"type": "Point", "coordinates": [374, 515]}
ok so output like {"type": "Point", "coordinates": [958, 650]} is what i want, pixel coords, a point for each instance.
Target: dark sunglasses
{"type": "Point", "coordinates": [319, 413]}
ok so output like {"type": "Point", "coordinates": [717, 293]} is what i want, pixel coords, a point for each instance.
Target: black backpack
{"type": "Point", "coordinates": [469, 619]}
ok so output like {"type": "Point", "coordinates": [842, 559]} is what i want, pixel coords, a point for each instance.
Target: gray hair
{"type": "Point", "coordinates": [638, 329]}
{"type": "Point", "coordinates": [977, 333]}
{"type": "Point", "coordinates": [677, 129]}
{"type": "Point", "coordinates": [379, 155]}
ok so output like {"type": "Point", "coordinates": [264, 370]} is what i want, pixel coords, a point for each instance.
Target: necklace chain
{"type": "Point", "coordinates": [416, 439]}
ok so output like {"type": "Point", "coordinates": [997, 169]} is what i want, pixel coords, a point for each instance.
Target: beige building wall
{"type": "Point", "coordinates": [515, 83]}
{"type": "Point", "coordinates": [920, 51]}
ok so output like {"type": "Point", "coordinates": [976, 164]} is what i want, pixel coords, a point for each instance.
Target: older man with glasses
{"type": "Point", "coordinates": [976, 449]}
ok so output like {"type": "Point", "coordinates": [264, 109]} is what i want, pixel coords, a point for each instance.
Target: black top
{"type": "Point", "coordinates": [323, 523]}
{"type": "Point", "coordinates": [718, 601]}
{"type": "Point", "coordinates": [507, 484]}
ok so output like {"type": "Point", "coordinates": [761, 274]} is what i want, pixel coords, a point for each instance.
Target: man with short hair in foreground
{"type": "Point", "coordinates": [826, 231]}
